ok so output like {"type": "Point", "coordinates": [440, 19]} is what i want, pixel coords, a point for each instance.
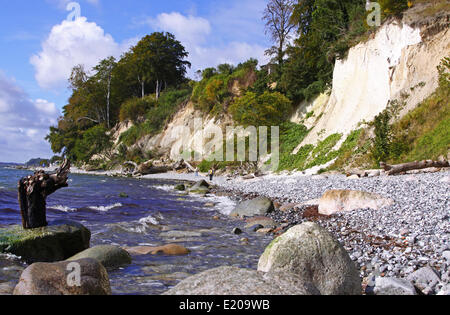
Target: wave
{"type": "Point", "coordinates": [105, 208]}
{"type": "Point", "coordinates": [63, 208]}
{"type": "Point", "coordinates": [149, 221]}
{"type": "Point", "coordinates": [163, 187]}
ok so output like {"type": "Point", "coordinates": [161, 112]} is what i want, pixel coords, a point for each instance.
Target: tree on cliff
{"type": "Point", "coordinates": [159, 59]}
{"type": "Point", "coordinates": [279, 26]}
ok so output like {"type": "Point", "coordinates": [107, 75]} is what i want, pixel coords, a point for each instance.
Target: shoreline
{"type": "Point", "coordinates": [395, 241]}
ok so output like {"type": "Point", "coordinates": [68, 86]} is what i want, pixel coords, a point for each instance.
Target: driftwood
{"type": "Point", "coordinates": [402, 168]}
{"type": "Point", "coordinates": [33, 193]}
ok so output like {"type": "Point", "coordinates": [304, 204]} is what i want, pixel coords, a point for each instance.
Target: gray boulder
{"type": "Point", "coordinates": [59, 279]}
{"type": "Point", "coordinates": [425, 279]}
{"type": "Point", "coordinates": [313, 255]}
{"type": "Point", "coordinates": [393, 286]}
{"type": "Point", "coordinates": [255, 207]}
{"type": "Point", "coordinates": [236, 281]}
{"type": "Point", "coordinates": [109, 256]}
{"type": "Point", "coordinates": [58, 241]}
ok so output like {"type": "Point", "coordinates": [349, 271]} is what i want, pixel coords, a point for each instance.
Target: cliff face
{"type": "Point", "coordinates": [398, 63]}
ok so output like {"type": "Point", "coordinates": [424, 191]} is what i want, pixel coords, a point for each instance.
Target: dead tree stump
{"type": "Point", "coordinates": [33, 193]}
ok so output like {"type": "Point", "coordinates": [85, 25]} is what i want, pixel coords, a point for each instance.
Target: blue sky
{"type": "Point", "coordinates": [39, 46]}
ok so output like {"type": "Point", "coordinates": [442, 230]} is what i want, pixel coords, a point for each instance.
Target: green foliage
{"type": "Point", "coordinates": [214, 90]}
{"type": "Point", "coordinates": [328, 28]}
{"type": "Point", "coordinates": [95, 140]}
{"type": "Point", "coordinates": [290, 136]}
{"type": "Point", "coordinates": [383, 138]}
{"type": "Point", "coordinates": [393, 7]}
{"type": "Point", "coordinates": [323, 153]}
{"type": "Point", "coordinates": [136, 108]}
{"type": "Point", "coordinates": [156, 115]}
{"type": "Point", "coordinates": [267, 109]}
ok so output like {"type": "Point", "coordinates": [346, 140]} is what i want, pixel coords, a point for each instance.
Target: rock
{"type": "Point", "coordinates": [446, 255]}
{"type": "Point", "coordinates": [180, 187]}
{"type": "Point", "coordinates": [255, 207]}
{"type": "Point", "coordinates": [248, 177]}
{"type": "Point", "coordinates": [58, 241]}
{"type": "Point", "coordinates": [353, 177]}
{"type": "Point", "coordinates": [180, 234]}
{"type": "Point", "coordinates": [53, 279]}
{"type": "Point", "coordinates": [170, 250]}
{"type": "Point", "coordinates": [255, 227]}
{"type": "Point", "coordinates": [236, 281]}
{"type": "Point", "coordinates": [265, 222]}
{"type": "Point", "coordinates": [7, 288]}
{"type": "Point", "coordinates": [287, 207]}
{"type": "Point", "coordinates": [210, 205]}
{"type": "Point", "coordinates": [393, 286]}
{"type": "Point", "coordinates": [335, 201]}
{"type": "Point", "coordinates": [203, 184]}
{"type": "Point", "coordinates": [424, 278]}
{"type": "Point", "coordinates": [237, 231]}
{"type": "Point", "coordinates": [109, 256]}
{"type": "Point", "coordinates": [312, 254]}
{"type": "Point", "coordinates": [264, 231]}
{"type": "Point", "coordinates": [200, 191]}
{"type": "Point", "coordinates": [445, 290]}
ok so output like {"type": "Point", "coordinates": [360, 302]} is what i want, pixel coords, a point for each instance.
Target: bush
{"type": "Point", "coordinates": [393, 7]}
{"type": "Point", "coordinates": [267, 109]}
{"type": "Point", "coordinates": [135, 108]}
{"type": "Point", "coordinates": [94, 141]}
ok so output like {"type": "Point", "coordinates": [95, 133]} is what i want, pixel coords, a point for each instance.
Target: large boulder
{"type": "Point", "coordinates": [236, 281]}
{"type": "Point", "coordinates": [256, 207]}
{"type": "Point", "coordinates": [58, 241]}
{"type": "Point", "coordinates": [109, 256]}
{"type": "Point", "coordinates": [60, 279]}
{"type": "Point", "coordinates": [312, 254]}
{"type": "Point", "coordinates": [335, 201]}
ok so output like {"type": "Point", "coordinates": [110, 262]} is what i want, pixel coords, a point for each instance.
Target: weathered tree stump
{"type": "Point", "coordinates": [33, 193]}
{"type": "Point", "coordinates": [401, 168]}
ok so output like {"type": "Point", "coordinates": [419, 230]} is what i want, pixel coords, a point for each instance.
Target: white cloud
{"type": "Point", "coordinates": [24, 123]}
{"type": "Point", "coordinates": [69, 44]}
{"type": "Point", "coordinates": [196, 34]}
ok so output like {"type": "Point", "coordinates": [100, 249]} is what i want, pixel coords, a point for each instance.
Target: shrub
{"type": "Point", "coordinates": [393, 7]}
{"type": "Point", "coordinates": [267, 109]}
{"type": "Point", "coordinates": [135, 108]}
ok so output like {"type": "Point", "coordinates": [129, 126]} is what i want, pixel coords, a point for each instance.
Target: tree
{"type": "Point", "coordinates": [104, 77]}
{"type": "Point", "coordinates": [159, 60]}
{"type": "Point", "coordinates": [279, 26]}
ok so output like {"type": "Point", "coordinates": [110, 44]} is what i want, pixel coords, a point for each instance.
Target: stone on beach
{"type": "Point", "coordinates": [56, 279]}
{"type": "Point", "coordinates": [255, 207]}
{"type": "Point", "coordinates": [312, 254]}
{"type": "Point", "coordinates": [424, 279]}
{"type": "Point", "coordinates": [170, 250]}
{"type": "Point", "coordinates": [393, 286]}
{"type": "Point", "coordinates": [265, 222]}
{"type": "Point", "coordinates": [236, 281]}
{"type": "Point", "coordinates": [58, 241]}
{"type": "Point", "coordinates": [335, 201]}
{"type": "Point", "coordinates": [109, 256]}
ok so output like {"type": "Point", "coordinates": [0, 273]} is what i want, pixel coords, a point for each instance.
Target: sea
{"type": "Point", "coordinates": [131, 212]}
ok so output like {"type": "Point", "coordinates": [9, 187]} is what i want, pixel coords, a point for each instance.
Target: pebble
{"type": "Point", "coordinates": [400, 239]}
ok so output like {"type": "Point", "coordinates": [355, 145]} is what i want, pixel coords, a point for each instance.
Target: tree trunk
{"type": "Point", "coordinates": [108, 97]}
{"type": "Point", "coordinates": [33, 192]}
{"type": "Point", "coordinates": [401, 168]}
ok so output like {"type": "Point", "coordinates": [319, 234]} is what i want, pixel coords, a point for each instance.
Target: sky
{"type": "Point", "coordinates": [41, 41]}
